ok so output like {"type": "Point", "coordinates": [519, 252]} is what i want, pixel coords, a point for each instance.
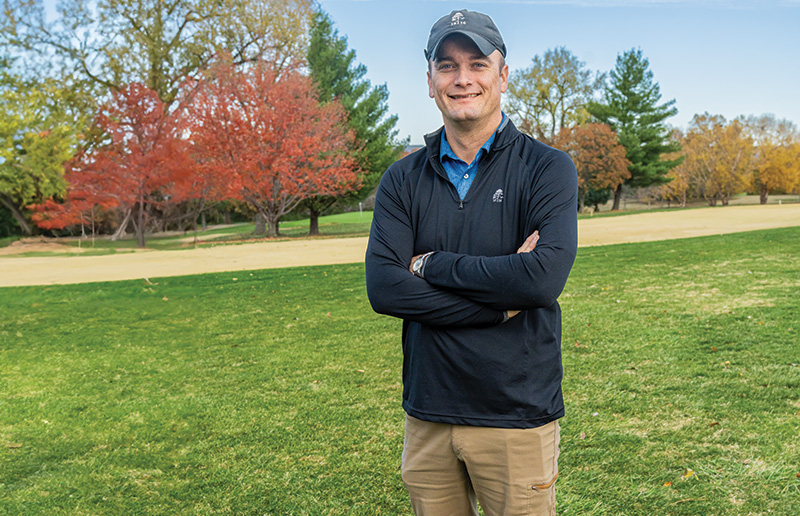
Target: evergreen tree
{"type": "Point", "coordinates": [333, 69]}
{"type": "Point", "coordinates": [631, 108]}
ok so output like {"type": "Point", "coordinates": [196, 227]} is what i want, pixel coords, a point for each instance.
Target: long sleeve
{"type": "Point", "coordinates": [392, 289]}
{"type": "Point", "coordinates": [526, 280]}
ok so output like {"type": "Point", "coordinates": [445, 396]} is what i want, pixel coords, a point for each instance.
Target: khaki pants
{"type": "Point", "coordinates": [510, 471]}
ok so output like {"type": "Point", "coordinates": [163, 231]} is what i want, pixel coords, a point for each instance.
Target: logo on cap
{"type": "Point", "coordinates": [458, 19]}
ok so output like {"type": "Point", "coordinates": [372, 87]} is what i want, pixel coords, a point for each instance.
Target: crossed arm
{"type": "Point", "coordinates": [466, 290]}
{"type": "Point", "coordinates": [527, 246]}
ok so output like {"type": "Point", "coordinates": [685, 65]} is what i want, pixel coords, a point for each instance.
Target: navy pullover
{"type": "Point", "coordinates": [461, 363]}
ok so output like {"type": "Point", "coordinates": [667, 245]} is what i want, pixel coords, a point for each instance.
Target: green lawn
{"type": "Point", "coordinates": [339, 225]}
{"type": "Point", "coordinates": [277, 392]}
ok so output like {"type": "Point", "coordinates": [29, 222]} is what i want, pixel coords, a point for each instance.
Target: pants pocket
{"type": "Point", "coordinates": [542, 498]}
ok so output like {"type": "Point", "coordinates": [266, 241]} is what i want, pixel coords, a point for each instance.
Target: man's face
{"type": "Point", "coordinates": [465, 84]}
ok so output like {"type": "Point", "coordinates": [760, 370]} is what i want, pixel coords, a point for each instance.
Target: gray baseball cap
{"type": "Point", "coordinates": [476, 26]}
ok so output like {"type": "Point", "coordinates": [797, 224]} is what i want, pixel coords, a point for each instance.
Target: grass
{"type": "Point", "coordinates": [277, 392]}
{"type": "Point", "coordinates": [339, 225]}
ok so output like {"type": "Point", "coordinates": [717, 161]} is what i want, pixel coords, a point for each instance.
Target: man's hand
{"type": "Point", "coordinates": [530, 243]}
{"type": "Point", "coordinates": [526, 247]}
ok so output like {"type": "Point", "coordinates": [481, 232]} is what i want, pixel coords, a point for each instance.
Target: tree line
{"type": "Point", "coordinates": [150, 115]}
{"type": "Point", "coordinates": [146, 115]}
{"type": "Point", "coordinates": [614, 126]}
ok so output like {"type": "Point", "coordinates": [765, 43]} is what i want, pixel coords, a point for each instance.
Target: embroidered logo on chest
{"type": "Point", "coordinates": [498, 196]}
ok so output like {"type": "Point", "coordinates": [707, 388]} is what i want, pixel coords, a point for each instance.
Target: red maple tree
{"type": "Point", "coordinates": [141, 159]}
{"type": "Point", "coordinates": [267, 140]}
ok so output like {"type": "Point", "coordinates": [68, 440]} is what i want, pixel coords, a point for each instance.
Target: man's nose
{"type": "Point", "coordinates": [463, 77]}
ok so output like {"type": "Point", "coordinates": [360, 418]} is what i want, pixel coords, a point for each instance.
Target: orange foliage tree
{"type": "Point", "coordinates": [140, 160]}
{"type": "Point", "coordinates": [678, 186]}
{"type": "Point", "coordinates": [598, 156]}
{"type": "Point", "coordinates": [719, 158]}
{"type": "Point", "coordinates": [269, 138]}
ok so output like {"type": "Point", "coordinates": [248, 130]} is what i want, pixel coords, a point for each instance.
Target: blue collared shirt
{"type": "Point", "coordinates": [458, 171]}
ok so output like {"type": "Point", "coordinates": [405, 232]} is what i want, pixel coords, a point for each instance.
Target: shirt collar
{"type": "Point", "coordinates": [445, 151]}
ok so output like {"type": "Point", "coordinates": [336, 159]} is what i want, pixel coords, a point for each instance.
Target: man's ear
{"type": "Point", "coordinates": [431, 93]}
{"type": "Point", "coordinates": [504, 79]}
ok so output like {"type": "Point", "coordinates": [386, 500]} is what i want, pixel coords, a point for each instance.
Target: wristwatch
{"type": "Point", "coordinates": [418, 267]}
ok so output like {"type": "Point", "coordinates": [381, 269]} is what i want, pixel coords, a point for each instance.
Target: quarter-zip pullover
{"type": "Point", "coordinates": [461, 363]}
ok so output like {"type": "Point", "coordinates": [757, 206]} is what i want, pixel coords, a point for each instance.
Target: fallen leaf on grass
{"type": "Point", "coordinates": [713, 423]}
{"type": "Point", "coordinates": [713, 349]}
{"type": "Point", "coordinates": [798, 475]}
{"type": "Point", "coordinates": [667, 484]}
{"type": "Point", "coordinates": [687, 474]}
{"type": "Point", "coordinates": [165, 298]}
{"type": "Point", "coordinates": [583, 435]}
{"type": "Point", "coordinates": [15, 446]}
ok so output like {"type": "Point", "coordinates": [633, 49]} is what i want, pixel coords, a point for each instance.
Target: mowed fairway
{"type": "Point", "coordinates": [278, 391]}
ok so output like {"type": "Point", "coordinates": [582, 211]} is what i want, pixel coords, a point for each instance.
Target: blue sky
{"type": "Point", "coordinates": [737, 57]}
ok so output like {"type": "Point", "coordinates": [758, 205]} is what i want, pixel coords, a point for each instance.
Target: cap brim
{"type": "Point", "coordinates": [482, 43]}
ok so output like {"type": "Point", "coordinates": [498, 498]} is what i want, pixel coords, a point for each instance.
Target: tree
{"type": "Point", "coordinates": [140, 162]}
{"type": "Point", "coordinates": [551, 94]}
{"type": "Point", "coordinates": [597, 155]}
{"type": "Point", "coordinates": [265, 132]}
{"type": "Point", "coordinates": [37, 137]}
{"type": "Point", "coordinates": [777, 160]}
{"type": "Point", "coordinates": [156, 42]}
{"type": "Point", "coordinates": [337, 77]}
{"type": "Point", "coordinates": [631, 108]}
{"type": "Point", "coordinates": [678, 187]}
{"type": "Point", "coordinates": [719, 157]}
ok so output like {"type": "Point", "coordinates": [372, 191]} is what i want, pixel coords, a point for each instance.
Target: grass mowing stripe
{"type": "Point", "coordinates": [278, 391]}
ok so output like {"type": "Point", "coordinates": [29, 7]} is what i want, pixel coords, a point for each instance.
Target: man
{"type": "Point", "coordinates": [472, 240]}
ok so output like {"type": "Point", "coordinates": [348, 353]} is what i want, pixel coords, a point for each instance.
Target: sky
{"type": "Point", "coordinates": [736, 57]}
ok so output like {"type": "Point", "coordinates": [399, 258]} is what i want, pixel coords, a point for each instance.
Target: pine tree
{"type": "Point", "coordinates": [336, 75]}
{"type": "Point", "coordinates": [631, 108]}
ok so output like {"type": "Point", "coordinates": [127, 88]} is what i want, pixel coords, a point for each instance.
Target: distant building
{"type": "Point", "coordinates": [411, 148]}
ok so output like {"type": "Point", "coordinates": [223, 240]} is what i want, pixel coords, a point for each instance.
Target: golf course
{"type": "Point", "coordinates": [255, 379]}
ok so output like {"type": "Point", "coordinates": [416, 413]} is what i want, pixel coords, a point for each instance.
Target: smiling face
{"type": "Point", "coordinates": [467, 85]}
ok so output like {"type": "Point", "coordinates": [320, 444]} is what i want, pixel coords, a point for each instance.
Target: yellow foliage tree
{"type": "Point", "coordinates": [719, 158]}
{"type": "Point", "coordinates": [679, 186]}
{"type": "Point", "coordinates": [777, 158]}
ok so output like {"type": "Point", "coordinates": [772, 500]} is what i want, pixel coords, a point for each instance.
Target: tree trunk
{"type": "Point", "coordinates": [140, 225]}
{"type": "Point", "coordinates": [764, 194]}
{"type": "Point", "coordinates": [313, 221]}
{"type": "Point", "coordinates": [272, 225]}
{"type": "Point", "coordinates": [617, 198]}
{"type": "Point", "coordinates": [203, 218]}
{"type": "Point", "coordinates": [683, 200]}
{"type": "Point", "coordinates": [122, 227]}
{"type": "Point", "coordinates": [17, 214]}
{"type": "Point", "coordinates": [725, 200]}
{"type": "Point", "coordinates": [261, 224]}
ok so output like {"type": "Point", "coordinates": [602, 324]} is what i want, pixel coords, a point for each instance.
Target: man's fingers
{"type": "Point", "coordinates": [530, 243]}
